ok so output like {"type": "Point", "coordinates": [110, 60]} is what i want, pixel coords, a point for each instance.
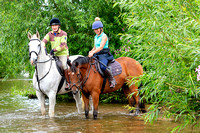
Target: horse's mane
{"type": "Point", "coordinates": [79, 61]}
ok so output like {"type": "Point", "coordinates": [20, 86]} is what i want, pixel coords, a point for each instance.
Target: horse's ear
{"type": "Point", "coordinates": [38, 35]}
{"type": "Point", "coordinates": [29, 36]}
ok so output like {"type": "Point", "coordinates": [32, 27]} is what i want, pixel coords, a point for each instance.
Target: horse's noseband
{"type": "Point", "coordinates": [74, 85]}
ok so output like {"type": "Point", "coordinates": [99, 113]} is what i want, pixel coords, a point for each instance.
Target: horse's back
{"type": "Point", "coordinates": [73, 57]}
{"type": "Point", "coordinates": [131, 66]}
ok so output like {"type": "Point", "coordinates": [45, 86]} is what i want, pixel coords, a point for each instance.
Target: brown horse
{"type": "Point", "coordinates": [83, 76]}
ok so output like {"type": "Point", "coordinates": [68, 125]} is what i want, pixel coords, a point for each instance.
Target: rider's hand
{"type": "Point", "coordinates": [91, 53]}
{"type": "Point", "coordinates": [52, 52]}
{"type": "Point", "coordinates": [68, 61]}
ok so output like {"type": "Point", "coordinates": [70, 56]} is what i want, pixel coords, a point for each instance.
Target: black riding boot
{"type": "Point", "coordinates": [110, 78]}
{"type": "Point", "coordinates": [67, 78]}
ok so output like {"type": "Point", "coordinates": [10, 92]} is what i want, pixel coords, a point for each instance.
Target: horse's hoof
{"type": "Point", "coordinates": [95, 115]}
{"type": "Point", "coordinates": [86, 114]}
{"type": "Point", "coordinates": [51, 116]}
{"type": "Point", "coordinates": [136, 113]}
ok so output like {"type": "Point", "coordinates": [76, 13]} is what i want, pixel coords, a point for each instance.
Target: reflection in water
{"type": "Point", "coordinates": [20, 114]}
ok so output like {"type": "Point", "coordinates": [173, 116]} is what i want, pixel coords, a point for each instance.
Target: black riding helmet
{"type": "Point", "coordinates": [55, 21]}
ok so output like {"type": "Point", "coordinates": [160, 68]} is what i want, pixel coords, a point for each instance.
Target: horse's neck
{"type": "Point", "coordinates": [44, 62]}
{"type": "Point", "coordinates": [86, 69]}
{"type": "Point", "coordinates": [42, 55]}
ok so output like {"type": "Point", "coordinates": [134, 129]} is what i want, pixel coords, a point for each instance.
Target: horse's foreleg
{"type": "Point", "coordinates": [91, 103]}
{"type": "Point", "coordinates": [95, 98]}
{"type": "Point", "coordinates": [78, 101]}
{"type": "Point", "coordinates": [137, 112]}
{"type": "Point", "coordinates": [86, 105]}
{"type": "Point", "coordinates": [52, 102]}
{"type": "Point", "coordinates": [41, 99]}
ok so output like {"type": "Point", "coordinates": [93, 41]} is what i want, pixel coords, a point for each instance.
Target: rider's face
{"type": "Point", "coordinates": [97, 31]}
{"type": "Point", "coordinates": [55, 28]}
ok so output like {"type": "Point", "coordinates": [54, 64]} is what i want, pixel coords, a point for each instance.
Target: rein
{"type": "Point", "coordinates": [50, 59]}
{"type": "Point", "coordinates": [37, 62]}
{"type": "Point", "coordinates": [37, 77]}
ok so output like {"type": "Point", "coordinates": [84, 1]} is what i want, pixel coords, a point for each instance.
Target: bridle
{"type": "Point", "coordinates": [36, 62]}
{"type": "Point", "coordinates": [80, 84]}
{"type": "Point", "coordinates": [34, 51]}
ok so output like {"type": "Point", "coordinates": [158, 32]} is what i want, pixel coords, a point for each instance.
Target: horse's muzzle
{"type": "Point", "coordinates": [33, 62]}
{"type": "Point", "coordinates": [74, 89]}
{"type": "Point", "coordinates": [75, 92]}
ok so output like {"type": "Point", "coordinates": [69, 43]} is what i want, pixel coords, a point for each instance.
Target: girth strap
{"type": "Point", "coordinates": [103, 85]}
{"type": "Point", "coordinates": [61, 83]}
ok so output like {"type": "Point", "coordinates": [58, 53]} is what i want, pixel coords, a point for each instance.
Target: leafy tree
{"type": "Point", "coordinates": [76, 16]}
{"type": "Point", "coordinates": [164, 37]}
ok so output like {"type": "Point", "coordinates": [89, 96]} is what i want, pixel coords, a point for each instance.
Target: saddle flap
{"type": "Point", "coordinates": [113, 65]}
{"type": "Point", "coordinates": [59, 66]}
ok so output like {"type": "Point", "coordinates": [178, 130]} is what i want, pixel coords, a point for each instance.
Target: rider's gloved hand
{"type": "Point", "coordinates": [68, 61]}
{"type": "Point", "coordinates": [52, 52]}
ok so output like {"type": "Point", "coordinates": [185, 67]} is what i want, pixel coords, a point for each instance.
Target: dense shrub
{"type": "Point", "coordinates": [164, 37]}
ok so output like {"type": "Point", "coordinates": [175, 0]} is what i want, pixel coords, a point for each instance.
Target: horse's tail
{"type": "Point", "coordinates": [141, 102]}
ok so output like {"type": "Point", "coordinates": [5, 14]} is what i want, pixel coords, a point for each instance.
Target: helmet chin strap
{"type": "Point", "coordinates": [100, 31]}
{"type": "Point", "coordinates": [58, 29]}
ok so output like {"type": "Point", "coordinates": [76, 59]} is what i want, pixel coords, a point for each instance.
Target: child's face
{"type": "Point", "coordinates": [55, 28]}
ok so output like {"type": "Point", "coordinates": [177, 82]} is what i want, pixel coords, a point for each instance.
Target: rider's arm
{"type": "Point", "coordinates": [45, 40]}
{"type": "Point", "coordinates": [94, 48]}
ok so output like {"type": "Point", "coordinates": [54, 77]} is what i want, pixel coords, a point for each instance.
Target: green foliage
{"type": "Point", "coordinates": [164, 37]}
{"type": "Point", "coordinates": [19, 17]}
{"type": "Point", "coordinates": [114, 97]}
{"type": "Point", "coordinates": [26, 91]}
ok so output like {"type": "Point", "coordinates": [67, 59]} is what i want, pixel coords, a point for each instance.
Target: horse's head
{"type": "Point", "coordinates": [34, 47]}
{"type": "Point", "coordinates": [77, 73]}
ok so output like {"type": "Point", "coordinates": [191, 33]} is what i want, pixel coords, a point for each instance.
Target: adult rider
{"type": "Point", "coordinates": [101, 50]}
{"type": "Point", "coordinates": [58, 40]}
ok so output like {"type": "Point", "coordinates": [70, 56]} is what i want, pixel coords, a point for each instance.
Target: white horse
{"type": "Point", "coordinates": [46, 78]}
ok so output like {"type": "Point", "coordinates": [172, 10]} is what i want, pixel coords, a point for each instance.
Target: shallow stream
{"type": "Point", "coordinates": [20, 114]}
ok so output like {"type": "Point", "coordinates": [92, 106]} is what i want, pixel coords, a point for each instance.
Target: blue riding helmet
{"type": "Point", "coordinates": [97, 25]}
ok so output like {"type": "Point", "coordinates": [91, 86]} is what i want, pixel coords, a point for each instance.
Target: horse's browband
{"type": "Point", "coordinates": [35, 39]}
